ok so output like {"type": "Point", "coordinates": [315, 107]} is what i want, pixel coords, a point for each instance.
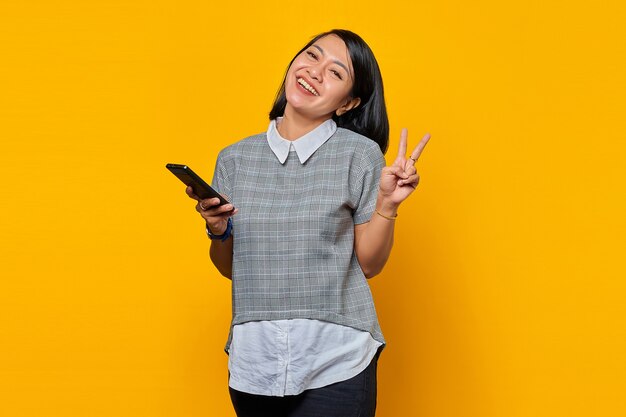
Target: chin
{"type": "Point", "coordinates": [298, 102]}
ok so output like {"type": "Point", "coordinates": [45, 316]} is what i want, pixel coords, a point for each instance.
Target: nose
{"type": "Point", "coordinates": [315, 73]}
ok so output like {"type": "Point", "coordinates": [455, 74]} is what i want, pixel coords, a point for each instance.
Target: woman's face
{"type": "Point", "coordinates": [320, 79]}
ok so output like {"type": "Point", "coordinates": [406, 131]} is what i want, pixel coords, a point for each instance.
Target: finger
{"type": "Point", "coordinates": [218, 213]}
{"type": "Point", "coordinates": [400, 162]}
{"type": "Point", "coordinates": [218, 218]}
{"type": "Point", "coordinates": [210, 202]}
{"type": "Point", "coordinates": [410, 170]}
{"type": "Point", "coordinates": [412, 180]}
{"type": "Point", "coordinates": [226, 208]}
{"type": "Point", "coordinates": [229, 213]}
{"type": "Point", "coordinates": [214, 201]}
{"type": "Point", "coordinates": [201, 208]}
{"type": "Point", "coordinates": [191, 194]}
{"type": "Point", "coordinates": [395, 170]}
{"type": "Point", "coordinates": [216, 210]}
{"type": "Point", "coordinates": [402, 145]}
{"type": "Point", "coordinates": [419, 148]}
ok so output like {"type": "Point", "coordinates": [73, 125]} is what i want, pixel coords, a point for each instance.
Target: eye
{"type": "Point", "coordinates": [312, 55]}
{"type": "Point", "coordinates": [337, 74]}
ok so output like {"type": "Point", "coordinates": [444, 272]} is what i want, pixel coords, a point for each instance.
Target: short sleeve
{"type": "Point", "coordinates": [222, 176]}
{"type": "Point", "coordinates": [370, 167]}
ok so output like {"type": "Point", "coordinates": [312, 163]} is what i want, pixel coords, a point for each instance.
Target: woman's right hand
{"type": "Point", "coordinates": [216, 217]}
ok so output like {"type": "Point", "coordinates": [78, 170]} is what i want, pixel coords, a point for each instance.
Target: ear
{"type": "Point", "coordinates": [350, 104]}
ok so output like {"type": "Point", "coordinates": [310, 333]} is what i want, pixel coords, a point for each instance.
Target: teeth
{"type": "Point", "coordinates": [307, 86]}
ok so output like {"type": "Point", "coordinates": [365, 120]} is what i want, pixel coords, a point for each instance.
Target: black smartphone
{"type": "Point", "coordinates": [200, 187]}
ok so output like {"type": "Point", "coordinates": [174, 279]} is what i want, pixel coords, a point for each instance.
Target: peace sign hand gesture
{"type": "Point", "coordinates": [399, 180]}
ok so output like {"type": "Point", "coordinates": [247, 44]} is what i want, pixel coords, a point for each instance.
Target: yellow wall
{"type": "Point", "coordinates": [504, 295]}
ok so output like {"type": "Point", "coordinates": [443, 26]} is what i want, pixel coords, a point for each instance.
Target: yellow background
{"type": "Point", "coordinates": [505, 293]}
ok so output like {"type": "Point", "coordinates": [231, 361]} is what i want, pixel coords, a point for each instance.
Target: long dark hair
{"type": "Point", "coordinates": [369, 118]}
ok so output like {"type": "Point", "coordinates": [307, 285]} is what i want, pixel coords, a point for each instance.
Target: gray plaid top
{"type": "Point", "coordinates": [293, 238]}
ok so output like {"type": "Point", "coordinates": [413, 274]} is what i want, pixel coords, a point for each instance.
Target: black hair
{"type": "Point", "coordinates": [369, 118]}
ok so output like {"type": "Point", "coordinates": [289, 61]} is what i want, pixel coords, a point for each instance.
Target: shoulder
{"type": "Point", "coordinates": [246, 146]}
{"type": "Point", "coordinates": [352, 140]}
{"type": "Point", "coordinates": [363, 149]}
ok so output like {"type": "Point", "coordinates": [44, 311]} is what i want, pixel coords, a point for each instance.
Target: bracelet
{"type": "Point", "coordinates": [386, 217]}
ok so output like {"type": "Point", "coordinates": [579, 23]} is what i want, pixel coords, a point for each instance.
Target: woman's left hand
{"type": "Point", "coordinates": [398, 180]}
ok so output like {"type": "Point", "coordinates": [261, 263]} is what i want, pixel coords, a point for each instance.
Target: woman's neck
{"type": "Point", "coordinates": [294, 125]}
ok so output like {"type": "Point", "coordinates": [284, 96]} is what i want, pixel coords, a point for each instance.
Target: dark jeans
{"type": "Point", "coordinates": [355, 397]}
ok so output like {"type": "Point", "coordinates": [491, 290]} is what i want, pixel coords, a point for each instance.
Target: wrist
{"type": "Point", "coordinates": [216, 230]}
{"type": "Point", "coordinates": [387, 208]}
{"type": "Point", "coordinates": [222, 236]}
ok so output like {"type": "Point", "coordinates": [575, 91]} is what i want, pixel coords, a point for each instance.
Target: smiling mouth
{"type": "Point", "coordinates": [307, 86]}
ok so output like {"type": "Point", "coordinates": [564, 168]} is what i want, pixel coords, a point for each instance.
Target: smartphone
{"type": "Point", "coordinates": [200, 187]}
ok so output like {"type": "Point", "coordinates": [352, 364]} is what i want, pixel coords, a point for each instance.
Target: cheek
{"type": "Point", "coordinates": [340, 93]}
{"type": "Point", "coordinates": [291, 73]}
{"type": "Point", "coordinates": [289, 78]}
{"type": "Point", "coordinates": [290, 85]}
{"type": "Point", "coordinates": [299, 62]}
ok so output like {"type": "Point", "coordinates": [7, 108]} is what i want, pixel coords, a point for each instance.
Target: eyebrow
{"type": "Point", "coordinates": [341, 64]}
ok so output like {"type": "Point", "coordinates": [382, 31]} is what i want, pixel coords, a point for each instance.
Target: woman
{"type": "Point", "coordinates": [312, 216]}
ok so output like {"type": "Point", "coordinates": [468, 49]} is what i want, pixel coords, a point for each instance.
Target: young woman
{"type": "Point", "coordinates": [312, 216]}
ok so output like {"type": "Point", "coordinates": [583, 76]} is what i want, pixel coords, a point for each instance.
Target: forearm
{"type": "Point", "coordinates": [376, 240]}
{"type": "Point", "coordinates": [221, 254]}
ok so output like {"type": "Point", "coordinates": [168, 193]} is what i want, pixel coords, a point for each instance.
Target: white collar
{"type": "Point", "coordinates": [305, 145]}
